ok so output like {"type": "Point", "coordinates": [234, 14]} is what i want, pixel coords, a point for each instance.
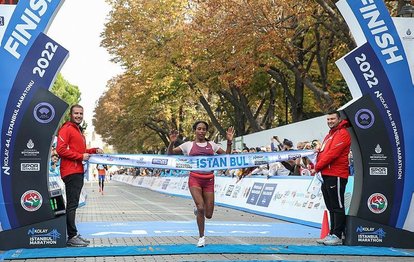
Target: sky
{"type": "Point", "coordinates": [77, 27]}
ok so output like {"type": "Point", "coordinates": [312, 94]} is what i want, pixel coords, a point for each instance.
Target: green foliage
{"type": "Point", "coordinates": [67, 92]}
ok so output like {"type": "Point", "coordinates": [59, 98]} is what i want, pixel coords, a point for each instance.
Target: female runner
{"type": "Point", "coordinates": [201, 183]}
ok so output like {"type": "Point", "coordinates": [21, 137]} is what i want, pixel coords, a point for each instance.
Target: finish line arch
{"type": "Point", "coordinates": [30, 213]}
{"type": "Point", "coordinates": [379, 75]}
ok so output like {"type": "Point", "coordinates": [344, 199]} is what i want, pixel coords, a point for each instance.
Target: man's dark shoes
{"type": "Point", "coordinates": [84, 239]}
{"type": "Point", "coordinates": [76, 242]}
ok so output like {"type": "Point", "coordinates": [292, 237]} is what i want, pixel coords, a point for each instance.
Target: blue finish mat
{"type": "Point", "coordinates": [209, 249]}
{"type": "Point", "coordinates": [189, 228]}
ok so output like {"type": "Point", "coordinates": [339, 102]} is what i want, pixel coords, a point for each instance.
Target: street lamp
{"type": "Point", "coordinates": [407, 10]}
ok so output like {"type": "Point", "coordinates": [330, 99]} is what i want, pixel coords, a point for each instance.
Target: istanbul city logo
{"type": "Point", "coordinates": [44, 112]}
{"type": "Point", "coordinates": [377, 203]}
{"type": "Point", "coordinates": [30, 151]}
{"type": "Point", "coordinates": [30, 144]}
{"type": "Point", "coordinates": [378, 149]}
{"type": "Point", "coordinates": [31, 200]}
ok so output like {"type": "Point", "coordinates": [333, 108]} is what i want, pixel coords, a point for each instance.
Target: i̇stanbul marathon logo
{"type": "Point", "coordinates": [31, 200]}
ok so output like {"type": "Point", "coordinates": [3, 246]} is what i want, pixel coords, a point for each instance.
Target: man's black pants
{"type": "Point", "coordinates": [333, 191]}
{"type": "Point", "coordinates": [73, 184]}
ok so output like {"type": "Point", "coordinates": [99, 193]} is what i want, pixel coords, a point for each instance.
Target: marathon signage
{"type": "Point", "coordinates": [29, 115]}
{"type": "Point", "coordinates": [199, 163]}
{"type": "Point", "coordinates": [43, 61]}
{"type": "Point", "coordinates": [378, 74]}
{"type": "Point", "coordinates": [46, 234]}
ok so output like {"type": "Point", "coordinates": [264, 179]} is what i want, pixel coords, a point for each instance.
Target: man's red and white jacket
{"type": "Point", "coordinates": [71, 146]}
{"type": "Point", "coordinates": [332, 159]}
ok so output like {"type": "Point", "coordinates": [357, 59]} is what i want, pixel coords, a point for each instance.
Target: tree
{"type": "Point", "coordinates": [228, 61]}
{"type": "Point", "coordinates": [67, 92]}
{"type": "Point", "coordinates": [285, 38]}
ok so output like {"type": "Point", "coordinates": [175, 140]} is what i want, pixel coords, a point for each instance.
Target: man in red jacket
{"type": "Point", "coordinates": [332, 162]}
{"type": "Point", "coordinates": [71, 147]}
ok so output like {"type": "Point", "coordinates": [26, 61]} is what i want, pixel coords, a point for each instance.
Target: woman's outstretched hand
{"type": "Point", "coordinates": [230, 134]}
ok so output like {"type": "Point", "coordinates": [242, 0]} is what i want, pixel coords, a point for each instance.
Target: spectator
{"type": "Point", "coordinates": [287, 145]}
{"type": "Point", "coordinates": [281, 170]}
{"type": "Point", "coordinates": [275, 144]}
{"type": "Point", "coordinates": [54, 166]}
{"type": "Point", "coordinates": [303, 165]}
{"type": "Point", "coordinates": [316, 145]}
{"type": "Point", "coordinates": [300, 145]}
{"type": "Point", "coordinates": [332, 162]}
{"type": "Point", "coordinates": [71, 147]}
{"type": "Point", "coordinates": [260, 170]}
{"type": "Point", "coordinates": [351, 163]}
{"type": "Point", "coordinates": [308, 146]}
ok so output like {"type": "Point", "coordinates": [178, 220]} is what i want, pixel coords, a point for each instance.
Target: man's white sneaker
{"type": "Point", "coordinates": [201, 242]}
{"type": "Point", "coordinates": [333, 241]}
{"type": "Point", "coordinates": [322, 240]}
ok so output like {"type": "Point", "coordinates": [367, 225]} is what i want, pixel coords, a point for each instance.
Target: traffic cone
{"type": "Point", "coordinates": [325, 225]}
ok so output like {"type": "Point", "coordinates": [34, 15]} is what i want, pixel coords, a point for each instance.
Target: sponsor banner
{"type": "Point", "coordinates": [30, 167]}
{"type": "Point", "coordinates": [370, 21]}
{"type": "Point", "coordinates": [254, 193]}
{"type": "Point", "coordinates": [199, 163]}
{"type": "Point", "coordinates": [266, 194]}
{"type": "Point", "coordinates": [280, 197]}
{"type": "Point", "coordinates": [43, 62]}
